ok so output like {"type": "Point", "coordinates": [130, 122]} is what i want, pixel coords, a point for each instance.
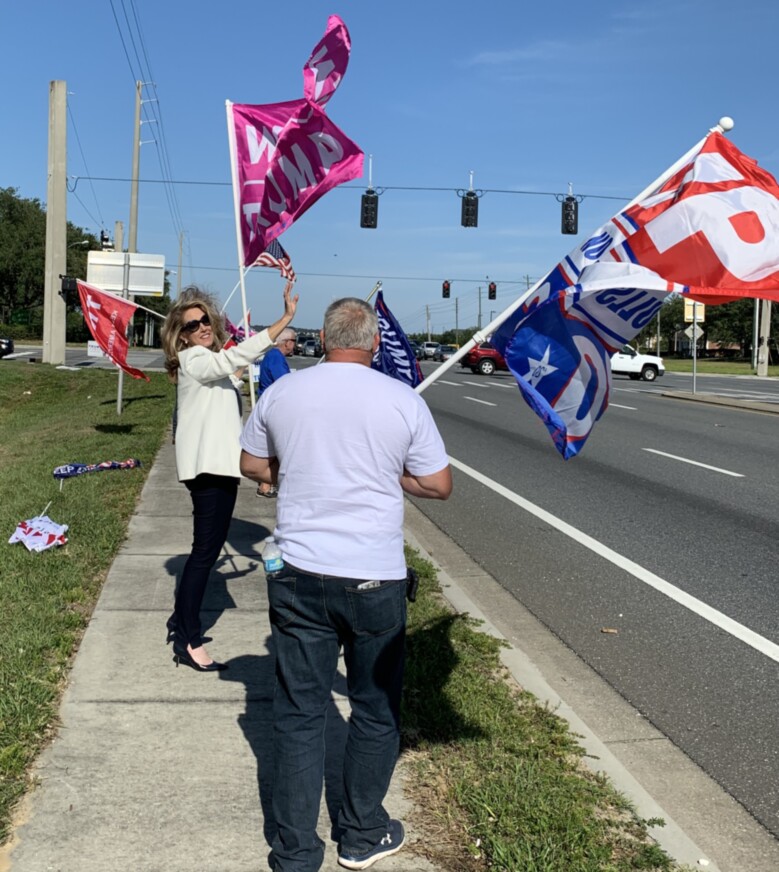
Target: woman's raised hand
{"type": "Point", "coordinates": [290, 302]}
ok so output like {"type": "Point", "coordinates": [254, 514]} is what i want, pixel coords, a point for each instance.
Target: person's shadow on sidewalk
{"type": "Point", "coordinates": [245, 537]}
{"type": "Point", "coordinates": [256, 673]}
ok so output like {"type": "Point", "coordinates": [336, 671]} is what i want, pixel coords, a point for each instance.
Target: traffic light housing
{"type": "Point", "coordinates": [445, 289]}
{"type": "Point", "coordinates": [570, 216]}
{"type": "Point", "coordinates": [492, 291]}
{"type": "Point", "coordinates": [105, 241]}
{"type": "Point", "coordinates": [469, 216]}
{"type": "Point", "coordinates": [369, 209]}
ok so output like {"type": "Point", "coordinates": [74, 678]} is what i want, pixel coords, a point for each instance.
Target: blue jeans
{"type": "Point", "coordinates": [213, 501]}
{"type": "Point", "coordinates": [312, 616]}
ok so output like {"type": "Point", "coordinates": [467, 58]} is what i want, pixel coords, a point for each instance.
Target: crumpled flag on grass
{"type": "Point", "coordinates": [69, 470]}
{"type": "Point", "coordinates": [38, 534]}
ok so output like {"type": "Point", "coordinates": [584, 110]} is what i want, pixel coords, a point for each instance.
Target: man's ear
{"type": "Point", "coordinates": [376, 343]}
{"type": "Point", "coordinates": [322, 340]}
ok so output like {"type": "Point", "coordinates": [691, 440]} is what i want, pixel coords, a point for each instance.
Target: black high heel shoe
{"type": "Point", "coordinates": [186, 658]}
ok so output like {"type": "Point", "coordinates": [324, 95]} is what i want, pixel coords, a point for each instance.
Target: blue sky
{"type": "Point", "coordinates": [527, 96]}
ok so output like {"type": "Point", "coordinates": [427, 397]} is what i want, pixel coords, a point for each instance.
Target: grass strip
{"type": "Point", "coordinates": [500, 778]}
{"type": "Point", "coordinates": [51, 417]}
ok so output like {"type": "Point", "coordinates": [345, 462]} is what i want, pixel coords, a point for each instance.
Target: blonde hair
{"type": "Point", "coordinates": [173, 342]}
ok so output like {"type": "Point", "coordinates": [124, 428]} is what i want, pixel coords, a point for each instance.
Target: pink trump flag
{"type": "Point", "coordinates": [287, 155]}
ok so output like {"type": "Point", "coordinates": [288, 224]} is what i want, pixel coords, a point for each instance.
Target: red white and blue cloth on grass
{"type": "Point", "coordinates": [710, 232]}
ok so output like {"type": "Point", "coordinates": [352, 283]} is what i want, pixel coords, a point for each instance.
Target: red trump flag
{"type": "Point", "coordinates": [107, 317]}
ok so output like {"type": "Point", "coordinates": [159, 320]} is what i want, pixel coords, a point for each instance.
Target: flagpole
{"type": "Point", "coordinates": [725, 123]}
{"type": "Point", "coordinates": [238, 236]}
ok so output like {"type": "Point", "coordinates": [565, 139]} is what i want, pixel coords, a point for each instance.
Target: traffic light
{"type": "Point", "coordinates": [105, 241]}
{"type": "Point", "coordinates": [445, 288]}
{"type": "Point", "coordinates": [470, 210]}
{"type": "Point", "coordinates": [492, 291]}
{"type": "Point", "coordinates": [570, 217]}
{"type": "Point", "coordinates": [369, 209]}
{"type": "Point", "coordinates": [68, 286]}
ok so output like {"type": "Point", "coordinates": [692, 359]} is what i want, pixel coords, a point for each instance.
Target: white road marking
{"type": "Point", "coordinates": [617, 406]}
{"type": "Point", "coordinates": [698, 607]}
{"type": "Point", "coordinates": [694, 463]}
{"type": "Point", "coordinates": [442, 382]}
{"type": "Point", "coordinates": [476, 384]}
{"type": "Point", "coordinates": [483, 402]}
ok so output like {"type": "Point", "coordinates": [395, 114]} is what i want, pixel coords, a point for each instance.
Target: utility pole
{"type": "Point", "coordinates": [132, 242]}
{"type": "Point", "coordinates": [763, 350]}
{"type": "Point", "coordinates": [427, 320]}
{"type": "Point", "coordinates": [479, 319]}
{"type": "Point", "coordinates": [54, 307]}
{"type": "Point", "coordinates": [118, 235]}
{"type": "Point", "coordinates": [456, 322]}
{"type": "Point", "coordinates": [178, 274]}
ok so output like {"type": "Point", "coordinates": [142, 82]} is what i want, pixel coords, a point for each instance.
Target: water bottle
{"type": "Point", "coordinates": [271, 556]}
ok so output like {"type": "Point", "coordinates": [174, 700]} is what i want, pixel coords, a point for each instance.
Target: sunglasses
{"type": "Point", "coordinates": [191, 326]}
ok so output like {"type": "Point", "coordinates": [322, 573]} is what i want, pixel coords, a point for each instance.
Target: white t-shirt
{"type": "Point", "coordinates": [343, 434]}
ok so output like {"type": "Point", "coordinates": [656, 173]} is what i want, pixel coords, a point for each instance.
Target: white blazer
{"type": "Point", "coordinates": [209, 424]}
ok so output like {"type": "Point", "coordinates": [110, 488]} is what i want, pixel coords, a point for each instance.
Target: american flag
{"type": "Point", "coordinates": [275, 256]}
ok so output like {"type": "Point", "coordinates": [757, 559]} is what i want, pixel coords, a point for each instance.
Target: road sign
{"type": "Point", "coordinates": [694, 312]}
{"type": "Point", "coordinates": [694, 331]}
{"type": "Point", "coordinates": [105, 270]}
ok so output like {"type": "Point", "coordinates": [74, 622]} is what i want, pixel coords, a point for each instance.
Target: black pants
{"type": "Point", "coordinates": [213, 501]}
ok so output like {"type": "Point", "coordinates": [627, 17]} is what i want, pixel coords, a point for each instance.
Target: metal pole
{"type": "Point", "coordinates": [125, 295]}
{"type": "Point", "coordinates": [132, 242]}
{"type": "Point", "coordinates": [694, 345]}
{"type": "Point", "coordinates": [54, 307]}
{"type": "Point", "coordinates": [755, 333]}
{"type": "Point", "coordinates": [765, 338]}
{"type": "Point", "coordinates": [118, 235]}
{"type": "Point", "coordinates": [658, 333]}
{"type": "Point", "coordinates": [427, 321]}
{"type": "Point", "coordinates": [479, 318]}
{"type": "Point", "coordinates": [456, 321]}
{"type": "Point", "coordinates": [178, 274]}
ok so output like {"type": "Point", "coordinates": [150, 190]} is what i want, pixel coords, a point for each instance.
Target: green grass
{"type": "Point", "coordinates": [501, 777]}
{"type": "Point", "coordinates": [51, 417]}
{"type": "Point", "coordinates": [500, 781]}
{"type": "Point", "coordinates": [708, 366]}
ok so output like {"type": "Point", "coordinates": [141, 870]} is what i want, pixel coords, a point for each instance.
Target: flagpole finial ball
{"type": "Point", "coordinates": [726, 123]}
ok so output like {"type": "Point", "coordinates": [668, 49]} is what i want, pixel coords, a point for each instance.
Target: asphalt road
{"type": "Point", "coordinates": [664, 530]}
{"type": "Point", "coordinates": [667, 494]}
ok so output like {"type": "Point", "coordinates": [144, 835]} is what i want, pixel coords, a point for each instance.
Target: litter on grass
{"type": "Point", "coordinates": [72, 469]}
{"type": "Point", "coordinates": [38, 534]}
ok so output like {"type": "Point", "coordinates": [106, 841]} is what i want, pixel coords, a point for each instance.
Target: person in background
{"type": "Point", "coordinates": [208, 429]}
{"type": "Point", "coordinates": [343, 584]}
{"type": "Point", "coordinates": [274, 365]}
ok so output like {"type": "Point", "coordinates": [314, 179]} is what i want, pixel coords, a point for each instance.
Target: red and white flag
{"type": "Point", "coordinates": [107, 317]}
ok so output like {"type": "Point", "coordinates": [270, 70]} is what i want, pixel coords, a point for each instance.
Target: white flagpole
{"type": "Point", "coordinates": [238, 237]}
{"type": "Point", "coordinates": [480, 336]}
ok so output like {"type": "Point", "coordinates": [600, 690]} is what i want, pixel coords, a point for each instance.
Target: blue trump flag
{"type": "Point", "coordinates": [394, 356]}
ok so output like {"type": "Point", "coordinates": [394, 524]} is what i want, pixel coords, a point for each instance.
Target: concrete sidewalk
{"type": "Point", "coordinates": [157, 768]}
{"type": "Point", "coordinates": [163, 768]}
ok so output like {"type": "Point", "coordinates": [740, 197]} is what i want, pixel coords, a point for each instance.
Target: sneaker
{"type": "Point", "coordinates": [392, 842]}
{"type": "Point", "coordinates": [271, 492]}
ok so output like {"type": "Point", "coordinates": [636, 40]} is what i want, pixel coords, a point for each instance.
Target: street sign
{"type": "Point", "coordinates": [94, 350]}
{"type": "Point", "coordinates": [694, 312]}
{"type": "Point", "coordinates": [105, 270]}
{"type": "Point", "coordinates": [694, 332]}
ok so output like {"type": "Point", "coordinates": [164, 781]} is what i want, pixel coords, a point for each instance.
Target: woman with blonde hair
{"type": "Point", "coordinates": [207, 434]}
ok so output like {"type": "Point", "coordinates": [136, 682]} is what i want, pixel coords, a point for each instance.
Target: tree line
{"type": "Point", "coordinates": [22, 271]}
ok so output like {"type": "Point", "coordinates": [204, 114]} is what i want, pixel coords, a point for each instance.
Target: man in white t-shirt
{"type": "Point", "coordinates": [346, 442]}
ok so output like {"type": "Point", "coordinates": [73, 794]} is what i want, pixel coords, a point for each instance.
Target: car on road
{"type": "Point", "coordinates": [428, 349]}
{"type": "Point", "coordinates": [444, 352]}
{"type": "Point", "coordinates": [312, 348]}
{"type": "Point", "coordinates": [484, 359]}
{"type": "Point", "coordinates": [417, 349]}
{"type": "Point", "coordinates": [6, 345]}
{"type": "Point", "coordinates": [627, 361]}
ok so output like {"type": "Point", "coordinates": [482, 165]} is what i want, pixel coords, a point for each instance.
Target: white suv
{"type": "Point", "coordinates": [429, 349]}
{"type": "Point", "coordinates": [629, 362]}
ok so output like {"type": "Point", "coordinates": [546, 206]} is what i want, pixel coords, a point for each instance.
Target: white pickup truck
{"type": "Point", "coordinates": [629, 362]}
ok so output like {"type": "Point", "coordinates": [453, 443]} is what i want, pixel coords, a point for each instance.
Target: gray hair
{"type": "Point", "coordinates": [286, 333]}
{"type": "Point", "coordinates": [350, 323]}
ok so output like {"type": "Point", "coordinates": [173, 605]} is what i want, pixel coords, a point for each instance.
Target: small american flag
{"type": "Point", "coordinates": [275, 256]}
